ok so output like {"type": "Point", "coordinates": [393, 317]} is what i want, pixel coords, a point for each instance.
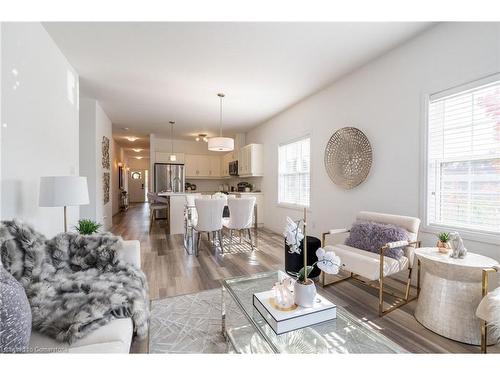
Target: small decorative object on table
{"type": "Point", "coordinates": [87, 226]}
{"type": "Point", "coordinates": [283, 297]}
{"type": "Point", "coordinates": [457, 245]}
{"type": "Point", "coordinates": [443, 243]}
{"type": "Point", "coordinates": [304, 288]}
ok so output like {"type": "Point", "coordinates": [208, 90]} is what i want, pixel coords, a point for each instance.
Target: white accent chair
{"type": "Point", "coordinates": [209, 213]}
{"type": "Point", "coordinates": [114, 337]}
{"type": "Point", "coordinates": [375, 267]}
{"type": "Point", "coordinates": [489, 308]}
{"type": "Point", "coordinates": [241, 215]}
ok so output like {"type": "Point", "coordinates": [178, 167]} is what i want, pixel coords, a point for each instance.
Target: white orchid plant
{"type": "Point", "coordinates": [327, 262]}
{"type": "Point", "coordinates": [293, 235]}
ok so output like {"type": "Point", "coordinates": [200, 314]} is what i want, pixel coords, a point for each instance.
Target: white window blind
{"type": "Point", "coordinates": [294, 173]}
{"type": "Point", "coordinates": [463, 171]}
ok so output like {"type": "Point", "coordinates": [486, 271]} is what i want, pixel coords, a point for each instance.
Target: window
{"type": "Point", "coordinates": [136, 175]}
{"type": "Point", "coordinates": [463, 158]}
{"type": "Point", "coordinates": [294, 173]}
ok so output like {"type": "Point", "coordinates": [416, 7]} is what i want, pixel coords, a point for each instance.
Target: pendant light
{"type": "Point", "coordinates": [173, 157]}
{"type": "Point", "coordinates": [220, 143]}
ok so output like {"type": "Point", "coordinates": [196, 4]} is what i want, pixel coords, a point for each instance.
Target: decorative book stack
{"type": "Point", "coordinates": [296, 317]}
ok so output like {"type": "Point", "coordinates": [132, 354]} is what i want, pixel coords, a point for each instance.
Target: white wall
{"type": "Point", "coordinates": [94, 124]}
{"type": "Point", "coordinates": [385, 100]}
{"type": "Point", "coordinates": [117, 157]}
{"type": "Point", "coordinates": [134, 163]}
{"type": "Point", "coordinates": [40, 108]}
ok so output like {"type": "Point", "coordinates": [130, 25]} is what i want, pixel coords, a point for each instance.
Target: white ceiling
{"type": "Point", "coordinates": [145, 74]}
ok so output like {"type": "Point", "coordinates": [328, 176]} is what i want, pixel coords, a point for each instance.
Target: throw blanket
{"type": "Point", "coordinates": [75, 284]}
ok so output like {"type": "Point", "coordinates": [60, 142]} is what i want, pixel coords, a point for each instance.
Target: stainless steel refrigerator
{"type": "Point", "coordinates": [168, 178]}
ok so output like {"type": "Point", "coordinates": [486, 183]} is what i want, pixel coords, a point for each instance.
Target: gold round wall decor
{"type": "Point", "coordinates": [348, 157]}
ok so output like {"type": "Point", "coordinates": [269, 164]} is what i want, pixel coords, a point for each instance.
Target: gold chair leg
{"type": "Point", "coordinates": [418, 277]}
{"type": "Point", "coordinates": [381, 296]}
{"type": "Point", "coordinates": [484, 337]}
{"type": "Point", "coordinates": [381, 285]}
{"type": "Point", "coordinates": [408, 283]}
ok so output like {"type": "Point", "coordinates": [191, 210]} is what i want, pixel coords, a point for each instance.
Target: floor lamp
{"type": "Point", "coordinates": [63, 191]}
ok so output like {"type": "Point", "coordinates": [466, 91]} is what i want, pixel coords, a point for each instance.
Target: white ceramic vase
{"type": "Point", "coordinates": [304, 294]}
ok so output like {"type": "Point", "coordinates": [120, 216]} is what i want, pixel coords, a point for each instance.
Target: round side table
{"type": "Point", "coordinates": [450, 293]}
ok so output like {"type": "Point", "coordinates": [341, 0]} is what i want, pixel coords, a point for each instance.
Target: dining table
{"type": "Point", "coordinates": [191, 235]}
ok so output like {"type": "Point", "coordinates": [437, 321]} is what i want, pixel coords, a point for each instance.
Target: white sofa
{"type": "Point", "coordinates": [114, 337]}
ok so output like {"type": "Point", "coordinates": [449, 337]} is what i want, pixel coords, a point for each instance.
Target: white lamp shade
{"type": "Point", "coordinates": [220, 144]}
{"type": "Point", "coordinates": [58, 191]}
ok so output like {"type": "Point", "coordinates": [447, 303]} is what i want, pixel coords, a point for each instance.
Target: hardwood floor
{"type": "Point", "coordinates": [171, 271]}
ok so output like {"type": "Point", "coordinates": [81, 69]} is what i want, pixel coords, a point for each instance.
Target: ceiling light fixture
{"type": "Point", "coordinates": [138, 157]}
{"type": "Point", "coordinates": [220, 143]}
{"type": "Point", "coordinates": [137, 149]}
{"type": "Point", "coordinates": [173, 157]}
{"type": "Point", "coordinates": [132, 139]}
{"type": "Point", "coordinates": [201, 137]}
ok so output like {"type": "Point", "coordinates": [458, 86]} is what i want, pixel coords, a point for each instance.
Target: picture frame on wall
{"type": "Point", "coordinates": [105, 153]}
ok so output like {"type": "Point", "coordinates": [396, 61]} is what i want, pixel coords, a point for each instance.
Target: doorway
{"type": "Point", "coordinates": [137, 185]}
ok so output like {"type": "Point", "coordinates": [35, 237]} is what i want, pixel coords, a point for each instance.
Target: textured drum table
{"type": "Point", "coordinates": [450, 293]}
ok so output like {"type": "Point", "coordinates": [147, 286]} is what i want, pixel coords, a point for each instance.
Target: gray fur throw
{"type": "Point", "coordinates": [75, 284]}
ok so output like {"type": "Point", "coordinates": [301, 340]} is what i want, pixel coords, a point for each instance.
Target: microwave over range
{"type": "Point", "coordinates": [233, 168]}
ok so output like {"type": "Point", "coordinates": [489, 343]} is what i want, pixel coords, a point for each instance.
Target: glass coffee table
{"type": "Point", "coordinates": [247, 332]}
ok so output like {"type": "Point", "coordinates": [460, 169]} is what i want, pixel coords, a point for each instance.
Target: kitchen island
{"type": "Point", "coordinates": [175, 213]}
{"type": "Point", "coordinates": [177, 202]}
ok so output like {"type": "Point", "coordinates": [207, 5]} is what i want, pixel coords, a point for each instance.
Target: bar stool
{"type": "Point", "coordinates": [156, 203]}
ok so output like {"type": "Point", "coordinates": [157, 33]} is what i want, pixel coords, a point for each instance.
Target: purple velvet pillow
{"type": "Point", "coordinates": [371, 236]}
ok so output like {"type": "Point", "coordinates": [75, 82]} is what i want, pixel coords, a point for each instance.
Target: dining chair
{"type": "Point", "coordinates": [190, 218]}
{"type": "Point", "coordinates": [209, 213]}
{"type": "Point", "coordinates": [156, 203]}
{"type": "Point", "coordinates": [240, 217]}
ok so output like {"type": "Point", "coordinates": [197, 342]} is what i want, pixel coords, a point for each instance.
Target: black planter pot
{"type": "Point", "coordinates": [294, 262]}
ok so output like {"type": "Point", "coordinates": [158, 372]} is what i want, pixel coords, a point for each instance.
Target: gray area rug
{"type": "Point", "coordinates": [189, 323]}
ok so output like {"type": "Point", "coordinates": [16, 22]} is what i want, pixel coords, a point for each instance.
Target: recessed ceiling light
{"type": "Point", "coordinates": [137, 149]}
{"type": "Point", "coordinates": [138, 157]}
{"type": "Point", "coordinates": [132, 139]}
{"type": "Point", "coordinates": [124, 128]}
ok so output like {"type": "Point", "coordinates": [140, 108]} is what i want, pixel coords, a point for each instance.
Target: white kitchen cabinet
{"type": "Point", "coordinates": [214, 166]}
{"type": "Point", "coordinates": [164, 157]}
{"type": "Point", "coordinates": [191, 166]}
{"type": "Point", "coordinates": [251, 160]}
{"type": "Point", "coordinates": [202, 166]}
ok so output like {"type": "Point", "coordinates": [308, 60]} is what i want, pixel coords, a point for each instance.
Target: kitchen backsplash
{"type": "Point", "coordinates": [213, 185]}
